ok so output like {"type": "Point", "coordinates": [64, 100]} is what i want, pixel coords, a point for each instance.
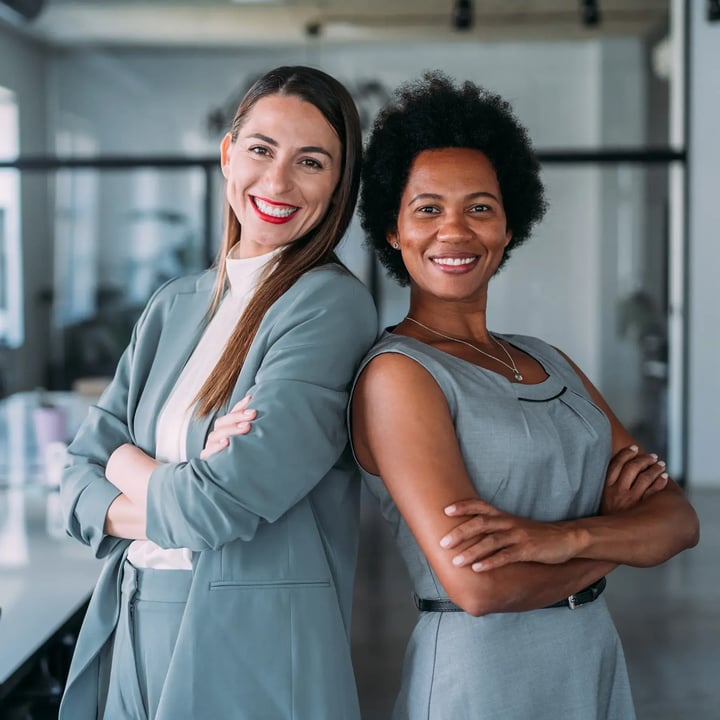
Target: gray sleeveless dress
{"type": "Point", "coordinates": [539, 451]}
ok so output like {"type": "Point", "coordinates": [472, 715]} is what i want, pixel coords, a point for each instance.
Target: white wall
{"type": "Point", "coordinates": [704, 250]}
{"type": "Point", "coordinates": [23, 70]}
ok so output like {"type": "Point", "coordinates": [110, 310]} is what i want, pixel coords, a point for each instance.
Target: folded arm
{"type": "Point", "coordinates": [85, 491]}
{"type": "Point", "coordinates": [300, 394]}
{"type": "Point", "coordinates": [403, 431]}
{"type": "Point", "coordinates": [650, 532]}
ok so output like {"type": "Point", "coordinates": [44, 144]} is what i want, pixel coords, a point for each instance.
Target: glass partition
{"type": "Point", "coordinates": [11, 313]}
{"type": "Point", "coordinates": [119, 233]}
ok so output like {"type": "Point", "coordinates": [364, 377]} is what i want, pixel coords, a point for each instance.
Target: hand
{"type": "Point", "coordinates": [237, 422]}
{"type": "Point", "coordinates": [631, 477]}
{"type": "Point", "coordinates": [502, 539]}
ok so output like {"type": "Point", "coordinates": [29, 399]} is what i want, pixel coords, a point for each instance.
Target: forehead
{"type": "Point", "coordinates": [288, 119]}
{"type": "Point", "coordinates": [463, 169]}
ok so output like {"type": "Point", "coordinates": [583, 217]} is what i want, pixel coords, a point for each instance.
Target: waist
{"type": "Point", "coordinates": [156, 585]}
{"type": "Point", "coordinates": [574, 601]}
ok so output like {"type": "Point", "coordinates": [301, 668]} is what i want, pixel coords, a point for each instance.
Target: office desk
{"type": "Point", "coordinates": [45, 576]}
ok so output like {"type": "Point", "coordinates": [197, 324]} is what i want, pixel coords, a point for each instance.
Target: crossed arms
{"type": "Point", "coordinates": [493, 561]}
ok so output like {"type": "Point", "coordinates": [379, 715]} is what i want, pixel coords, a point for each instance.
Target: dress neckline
{"type": "Point", "coordinates": [547, 389]}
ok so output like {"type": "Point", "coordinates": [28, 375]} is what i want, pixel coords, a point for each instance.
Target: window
{"type": "Point", "coordinates": [11, 285]}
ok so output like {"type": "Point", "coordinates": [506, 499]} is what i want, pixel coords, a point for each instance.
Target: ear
{"type": "Point", "coordinates": [392, 239]}
{"type": "Point", "coordinates": [508, 237]}
{"type": "Point", "coordinates": [225, 146]}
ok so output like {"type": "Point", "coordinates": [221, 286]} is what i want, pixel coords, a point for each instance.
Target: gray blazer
{"type": "Point", "coordinates": [272, 520]}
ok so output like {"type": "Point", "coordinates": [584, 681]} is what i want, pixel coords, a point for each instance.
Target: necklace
{"type": "Point", "coordinates": [512, 366]}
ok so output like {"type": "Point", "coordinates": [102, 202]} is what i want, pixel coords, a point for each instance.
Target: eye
{"type": "Point", "coordinates": [428, 210]}
{"type": "Point", "coordinates": [259, 150]}
{"type": "Point", "coordinates": [311, 163]}
{"type": "Point", "coordinates": [479, 208]}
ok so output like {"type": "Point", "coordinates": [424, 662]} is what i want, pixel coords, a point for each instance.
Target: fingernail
{"type": "Point", "coordinates": [634, 448]}
{"type": "Point", "coordinates": [664, 476]}
{"type": "Point", "coordinates": [477, 566]}
{"type": "Point", "coordinates": [445, 541]}
{"type": "Point", "coordinates": [661, 463]}
{"type": "Point", "coordinates": [450, 509]}
{"type": "Point", "coordinates": [653, 456]}
{"type": "Point", "coordinates": [458, 560]}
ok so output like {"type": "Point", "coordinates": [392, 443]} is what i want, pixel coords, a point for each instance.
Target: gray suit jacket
{"type": "Point", "coordinates": [272, 520]}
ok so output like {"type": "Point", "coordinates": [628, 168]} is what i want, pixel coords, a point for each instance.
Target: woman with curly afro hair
{"type": "Point", "coordinates": [511, 487]}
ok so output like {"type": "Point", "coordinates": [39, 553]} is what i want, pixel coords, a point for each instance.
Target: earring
{"type": "Point", "coordinates": [396, 245]}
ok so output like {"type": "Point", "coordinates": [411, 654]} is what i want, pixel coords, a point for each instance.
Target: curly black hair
{"type": "Point", "coordinates": [430, 114]}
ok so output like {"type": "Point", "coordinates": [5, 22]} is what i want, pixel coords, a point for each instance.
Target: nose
{"type": "Point", "coordinates": [279, 178]}
{"type": "Point", "coordinates": [454, 227]}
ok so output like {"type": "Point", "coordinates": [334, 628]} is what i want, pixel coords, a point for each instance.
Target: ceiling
{"type": "Point", "coordinates": [235, 23]}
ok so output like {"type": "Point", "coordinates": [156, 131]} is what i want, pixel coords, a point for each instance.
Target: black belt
{"type": "Point", "coordinates": [590, 593]}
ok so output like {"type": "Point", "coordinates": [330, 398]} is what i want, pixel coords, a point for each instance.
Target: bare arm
{"type": "Point", "coordinates": [402, 431]}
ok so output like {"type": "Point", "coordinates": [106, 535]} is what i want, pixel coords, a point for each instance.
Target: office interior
{"type": "Point", "coordinates": [111, 115]}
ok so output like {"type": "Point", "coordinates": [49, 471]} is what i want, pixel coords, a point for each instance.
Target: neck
{"type": "Point", "coordinates": [466, 325]}
{"type": "Point", "coordinates": [459, 319]}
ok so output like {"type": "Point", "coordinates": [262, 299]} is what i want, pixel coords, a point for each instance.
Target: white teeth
{"type": "Point", "coordinates": [454, 261]}
{"type": "Point", "coordinates": [274, 210]}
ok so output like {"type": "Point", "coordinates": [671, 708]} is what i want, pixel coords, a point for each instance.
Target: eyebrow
{"type": "Point", "coordinates": [305, 148]}
{"type": "Point", "coordinates": [435, 196]}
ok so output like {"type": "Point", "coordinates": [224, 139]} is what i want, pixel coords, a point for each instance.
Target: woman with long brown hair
{"type": "Point", "coordinates": [229, 555]}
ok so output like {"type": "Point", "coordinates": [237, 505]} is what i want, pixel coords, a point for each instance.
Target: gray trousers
{"type": "Point", "coordinates": [136, 665]}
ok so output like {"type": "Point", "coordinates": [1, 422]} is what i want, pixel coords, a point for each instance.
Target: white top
{"type": "Point", "coordinates": [244, 275]}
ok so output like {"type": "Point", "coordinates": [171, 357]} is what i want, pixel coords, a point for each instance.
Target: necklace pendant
{"type": "Point", "coordinates": [517, 376]}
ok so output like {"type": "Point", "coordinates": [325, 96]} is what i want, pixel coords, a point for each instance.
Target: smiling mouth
{"type": "Point", "coordinates": [454, 261]}
{"type": "Point", "coordinates": [273, 212]}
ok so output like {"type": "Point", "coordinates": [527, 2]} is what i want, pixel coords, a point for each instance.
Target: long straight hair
{"type": "Point", "coordinates": [315, 248]}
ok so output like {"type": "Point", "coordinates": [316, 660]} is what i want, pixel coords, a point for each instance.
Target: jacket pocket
{"type": "Point", "coordinates": [272, 584]}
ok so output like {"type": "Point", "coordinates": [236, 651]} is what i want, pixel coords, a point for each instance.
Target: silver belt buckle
{"type": "Point", "coordinates": [573, 602]}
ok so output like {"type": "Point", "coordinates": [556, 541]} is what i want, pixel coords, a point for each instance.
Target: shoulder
{"type": "Point", "coordinates": [398, 352]}
{"type": "Point", "coordinates": [394, 385]}
{"type": "Point", "coordinates": [203, 281]}
{"type": "Point", "coordinates": [158, 306]}
{"type": "Point", "coordinates": [334, 293]}
{"type": "Point", "coordinates": [331, 280]}
{"type": "Point", "coordinates": [396, 363]}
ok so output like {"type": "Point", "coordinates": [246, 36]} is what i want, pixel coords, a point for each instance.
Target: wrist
{"type": "Point", "coordinates": [580, 539]}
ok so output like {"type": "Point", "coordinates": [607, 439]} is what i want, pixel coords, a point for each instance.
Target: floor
{"type": "Point", "coordinates": [668, 618]}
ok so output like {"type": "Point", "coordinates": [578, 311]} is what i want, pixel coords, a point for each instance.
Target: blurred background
{"type": "Point", "coordinates": [111, 115]}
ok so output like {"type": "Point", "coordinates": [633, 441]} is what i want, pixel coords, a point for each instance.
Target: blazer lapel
{"type": "Point", "coordinates": [182, 328]}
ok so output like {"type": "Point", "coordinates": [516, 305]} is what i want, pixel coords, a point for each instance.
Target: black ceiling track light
{"type": "Point", "coordinates": [27, 9]}
{"type": "Point", "coordinates": [713, 10]}
{"type": "Point", "coordinates": [462, 15]}
{"type": "Point", "coordinates": [590, 13]}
